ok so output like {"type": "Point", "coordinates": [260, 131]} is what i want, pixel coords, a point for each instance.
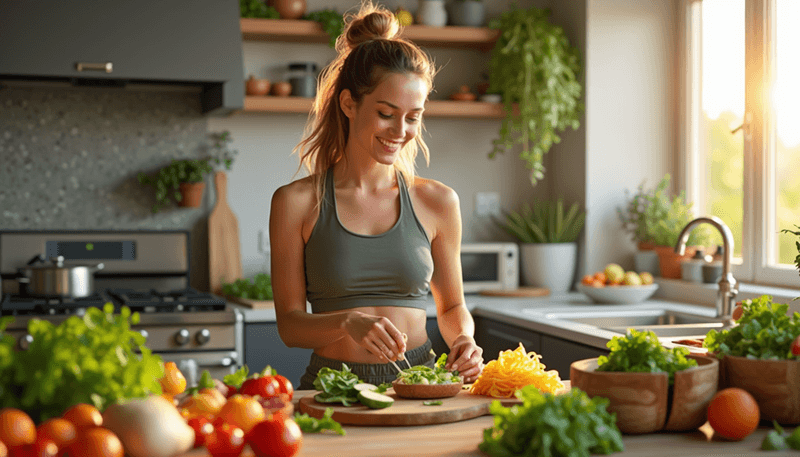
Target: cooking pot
{"type": "Point", "coordinates": [53, 278]}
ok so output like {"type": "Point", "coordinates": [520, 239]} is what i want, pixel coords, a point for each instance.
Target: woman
{"type": "Point", "coordinates": [361, 238]}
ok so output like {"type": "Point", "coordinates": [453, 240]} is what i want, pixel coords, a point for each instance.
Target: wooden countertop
{"type": "Point", "coordinates": [462, 439]}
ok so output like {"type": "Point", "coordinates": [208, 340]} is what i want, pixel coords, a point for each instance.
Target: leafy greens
{"type": "Point", "coordinates": [641, 352]}
{"type": "Point", "coordinates": [570, 424]}
{"type": "Point", "coordinates": [420, 374]}
{"type": "Point", "coordinates": [337, 386]}
{"type": "Point", "coordinates": [310, 424]}
{"type": "Point", "coordinates": [764, 331]}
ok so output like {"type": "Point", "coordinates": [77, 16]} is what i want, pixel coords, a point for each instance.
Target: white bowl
{"type": "Point", "coordinates": [618, 294]}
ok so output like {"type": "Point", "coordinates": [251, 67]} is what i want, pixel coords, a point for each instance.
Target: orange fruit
{"type": "Point", "coordinates": [16, 428]}
{"type": "Point", "coordinates": [173, 382]}
{"type": "Point", "coordinates": [84, 415]}
{"type": "Point", "coordinates": [242, 411]}
{"type": "Point", "coordinates": [96, 442]}
{"type": "Point", "coordinates": [600, 276]}
{"type": "Point", "coordinates": [3, 450]}
{"type": "Point", "coordinates": [202, 404]}
{"type": "Point", "coordinates": [58, 430]}
{"type": "Point", "coordinates": [733, 413]}
{"type": "Point", "coordinates": [587, 279]}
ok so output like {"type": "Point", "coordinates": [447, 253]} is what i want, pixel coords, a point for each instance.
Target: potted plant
{"type": "Point", "coordinates": [642, 212]}
{"type": "Point", "coordinates": [469, 13]}
{"type": "Point", "coordinates": [548, 242]}
{"type": "Point", "coordinates": [331, 21]}
{"type": "Point", "coordinates": [535, 70]}
{"type": "Point", "coordinates": [184, 180]}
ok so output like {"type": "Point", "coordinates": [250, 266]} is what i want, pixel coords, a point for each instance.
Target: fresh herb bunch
{"type": "Point", "coordinates": [331, 22]}
{"type": "Point", "coordinates": [257, 9]}
{"type": "Point", "coordinates": [536, 71]}
{"type": "Point", "coordinates": [337, 386]}
{"type": "Point", "coordinates": [420, 374]}
{"type": "Point", "coordinates": [666, 217]}
{"type": "Point", "coordinates": [641, 352]}
{"type": "Point", "coordinates": [764, 331]}
{"type": "Point", "coordinates": [796, 243]}
{"type": "Point", "coordinates": [259, 289]}
{"type": "Point", "coordinates": [570, 424]}
{"type": "Point", "coordinates": [545, 223]}
{"type": "Point", "coordinates": [310, 424]}
{"type": "Point", "coordinates": [86, 359]}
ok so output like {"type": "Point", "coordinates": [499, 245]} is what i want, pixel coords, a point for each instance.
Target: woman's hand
{"type": "Point", "coordinates": [376, 334]}
{"type": "Point", "coordinates": [466, 357]}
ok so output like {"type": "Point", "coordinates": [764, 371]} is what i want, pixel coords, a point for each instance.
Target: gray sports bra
{"type": "Point", "coordinates": [347, 270]}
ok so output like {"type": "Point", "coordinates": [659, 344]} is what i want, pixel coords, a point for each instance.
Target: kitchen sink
{"type": "Point", "coordinates": [663, 322]}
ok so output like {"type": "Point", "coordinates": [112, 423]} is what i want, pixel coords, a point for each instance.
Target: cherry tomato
{"type": "Point", "coordinates": [265, 387]}
{"type": "Point", "coordinates": [43, 447]}
{"type": "Point", "coordinates": [276, 438]}
{"type": "Point", "coordinates": [796, 346]}
{"type": "Point", "coordinates": [202, 429]}
{"type": "Point", "coordinates": [232, 390]}
{"type": "Point", "coordinates": [225, 441]}
{"type": "Point", "coordinates": [285, 385]}
{"type": "Point", "coordinates": [737, 311]}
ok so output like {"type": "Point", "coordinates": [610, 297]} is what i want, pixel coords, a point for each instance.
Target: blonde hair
{"type": "Point", "coordinates": [368, 49]}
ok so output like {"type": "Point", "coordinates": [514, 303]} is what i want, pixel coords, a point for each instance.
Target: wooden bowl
{"type": "Point", "coordinates": [281, 89]}
{"type": "Point", "coordinates": [642, 401]}
{"type": "Point", "coordinates": [426, 390]}
{"type": "Point", "coordinates": [775, 384]}
{"type": "Point", "coordinates": [255, 86]}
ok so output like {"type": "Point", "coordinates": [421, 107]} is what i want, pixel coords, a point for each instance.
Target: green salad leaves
{"type": "Point", "coordinates": [337, 386]}
{"type": "Point", "coordinates": [310, 424]}
{"type": "Point", "coordinates": [95, 358]}
{"type": "Point", "coordinates": [641, 352]}
{"type": "Point", "coordinates": [764, 331]}
{"type": "Point", "coordinates": [570, 424]}
{"type": "Point", "coordinates": [420, 374]}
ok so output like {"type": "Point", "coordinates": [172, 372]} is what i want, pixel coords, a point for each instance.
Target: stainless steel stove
{"type": "Point", "coordinates": [147, 271]}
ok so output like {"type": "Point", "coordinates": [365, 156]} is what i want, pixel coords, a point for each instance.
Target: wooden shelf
{"type": "Point", "coordinates": [310, 32]}
{"type": "Point", "coordinates": [434, 108]}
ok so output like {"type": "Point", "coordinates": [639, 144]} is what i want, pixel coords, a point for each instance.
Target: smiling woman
{"type": "Point", "coordinates": [362, 238]}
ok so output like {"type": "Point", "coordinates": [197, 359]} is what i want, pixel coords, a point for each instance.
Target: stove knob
{"type": "Point", "coordinates": [182, 337]}
{"type": "Point", "coordinates": [25, 342]}
{"type": "Point", "coordinates": [144, 333]}
{"type": "Point", "coordinates": [202, 336]}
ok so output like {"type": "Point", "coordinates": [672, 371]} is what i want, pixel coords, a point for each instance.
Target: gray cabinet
{"type": "Point", "coordinates": [263, 346]}
{"type": "Point", "coordinates": [557, 353]}
{"type": "Point", "coordinates": [439, 346]}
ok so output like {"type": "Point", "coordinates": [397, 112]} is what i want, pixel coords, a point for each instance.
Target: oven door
{"type": "Point", "coordinates": [192, 364]}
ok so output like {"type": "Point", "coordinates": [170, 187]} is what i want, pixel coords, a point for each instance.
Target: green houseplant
{"type": "Point", "coordinates": [548, 242]}
{"type": "Point", "coordinates": [331, 21]}
{"type": "Point", "coordinates": [535, 70]}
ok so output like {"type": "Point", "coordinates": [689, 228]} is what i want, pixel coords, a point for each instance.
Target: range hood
{"type": "Point", "coordinates": [196, 43]}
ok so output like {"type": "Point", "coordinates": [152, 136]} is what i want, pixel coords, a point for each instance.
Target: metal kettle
{"type": "Point", "coordinates": [55, 279]}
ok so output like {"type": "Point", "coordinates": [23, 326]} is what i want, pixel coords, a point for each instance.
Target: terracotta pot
{"type": "Point", "coordinates": [289, 9]}
{"type": "Point", "coordinates": [282, 89]}
{"type": "Point", "coordinates": [256, 86]}
{"type": "Point", "coordinates": [645, 246]}
{"type": "Point", "coordinates": [775, 384]}
{"type": "Point", "coordinates": [670, 263]}
{"type": "Point", "coordinates": [191, 194]}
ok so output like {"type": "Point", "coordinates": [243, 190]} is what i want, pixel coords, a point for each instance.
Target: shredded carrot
{"type": "Point", "coordinates": [513, 370]}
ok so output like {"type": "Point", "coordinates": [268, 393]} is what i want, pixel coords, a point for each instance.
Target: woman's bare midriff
{"type": "Point", "coordinates": [410, 321]}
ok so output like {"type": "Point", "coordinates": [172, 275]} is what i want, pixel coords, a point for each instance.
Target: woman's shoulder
{"type": "Point", "coordinates": [299, 193]}
{"type": "Point", "coordinates": [434, 194]}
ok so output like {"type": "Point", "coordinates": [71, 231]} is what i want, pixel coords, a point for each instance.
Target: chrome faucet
{"type": "Point", "coordinates": [727, 284]}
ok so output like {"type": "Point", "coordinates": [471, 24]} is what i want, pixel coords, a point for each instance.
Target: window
{"type": "Point", "coordinates": [741, 154]}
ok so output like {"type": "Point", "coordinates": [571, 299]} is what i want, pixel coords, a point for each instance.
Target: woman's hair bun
{"type": "Point", "coordinates": [370, 23]}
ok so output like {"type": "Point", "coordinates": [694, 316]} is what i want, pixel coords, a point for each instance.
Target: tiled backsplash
{"type": "Point", "coordinates": [70, 157]}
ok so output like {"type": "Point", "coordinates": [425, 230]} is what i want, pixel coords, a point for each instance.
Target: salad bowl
{"type": "Point", "coordinates": [404, 390]}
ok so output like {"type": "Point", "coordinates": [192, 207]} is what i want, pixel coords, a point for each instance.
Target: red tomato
{"type": "Point", "coordinates": [42, 447]}
{"type": "Point", "coordinates": [265, 387]}
{"type": "Point", "coordinates": [232, 390]}
{"type": "Point", "coordinates": [276, 438]}
{"type": "Point", "coordinates": [225, 441]}
{"type": "Point", "coordinates": [202, 429]}
{"type": "Point", "coordinates": [285, 385]}
{"type": "Point", "coordinates": [796, 346]}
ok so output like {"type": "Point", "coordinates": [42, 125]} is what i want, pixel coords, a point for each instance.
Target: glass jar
{"type": "Point", "coordinates": [303, 78]}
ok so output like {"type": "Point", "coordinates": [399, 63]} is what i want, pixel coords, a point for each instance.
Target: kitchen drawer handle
{"type": "Point", "coordinates": [107, 67]}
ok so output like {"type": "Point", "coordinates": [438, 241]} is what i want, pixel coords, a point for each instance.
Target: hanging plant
{"type": "Point", "coordinates": [535, 70]}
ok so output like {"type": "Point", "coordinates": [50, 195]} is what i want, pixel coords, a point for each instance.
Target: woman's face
{"type": "Point", "coordinates": [386, 119]}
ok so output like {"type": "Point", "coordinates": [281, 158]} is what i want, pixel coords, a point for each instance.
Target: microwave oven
{"type": "Point", "coordinates": [489, 266]}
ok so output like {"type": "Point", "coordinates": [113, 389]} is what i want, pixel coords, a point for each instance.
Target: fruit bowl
{"type": "Point", "coordinates": [426, 390]}
{"type": "Point", "coordinates": [618, 294]}
{"type": "Point", "coordinates": [645, 402]}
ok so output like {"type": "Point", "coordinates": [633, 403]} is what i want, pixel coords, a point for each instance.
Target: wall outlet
{"type": "Point", "coordinates": [487, 204]}
{"type": "Point", "coordinates": [263, 241]}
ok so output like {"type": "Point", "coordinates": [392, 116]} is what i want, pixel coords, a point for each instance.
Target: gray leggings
{"type": "Point", "coordinates": [373, 373]}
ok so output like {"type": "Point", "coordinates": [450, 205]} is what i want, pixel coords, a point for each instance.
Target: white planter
{"type": "Point", "coordinates": [646, 261]}
{"type": "Point", "coordinates": [432, 13]}
{"type": "Point", "coordinates": [550, 265]}
{"type": "Point", "coordinates": [469, 13]}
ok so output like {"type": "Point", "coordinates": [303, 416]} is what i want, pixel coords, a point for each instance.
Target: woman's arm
{"type": "Point", "coordinates": [291, 205]}
{"type": "Point", "coordinates": [455, 322]}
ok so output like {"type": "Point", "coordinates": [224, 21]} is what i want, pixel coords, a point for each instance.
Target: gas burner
{"type": "Point", "coordinates": [19, 304]}
{"type": "Point", "coordinates": [188, 299]}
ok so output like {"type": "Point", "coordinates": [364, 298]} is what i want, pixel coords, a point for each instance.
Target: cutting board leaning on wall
{"type": "Point", "coordinates": [224, 257]}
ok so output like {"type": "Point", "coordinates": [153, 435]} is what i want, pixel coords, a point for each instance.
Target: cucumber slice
{"type": "Point", "coordinates": [362, 386]}
{"type": "Point", "coordinates": [374, 400]}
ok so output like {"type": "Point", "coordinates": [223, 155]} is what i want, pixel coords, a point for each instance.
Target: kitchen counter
{"type": "Point", "coordinates": [462, 439]}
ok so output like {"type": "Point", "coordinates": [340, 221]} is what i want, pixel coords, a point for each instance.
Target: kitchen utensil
{"type": "Point", "coordinates": [224, 257]}
{"type": "Point", "coordinates": [55, 279]}
{"type": "Point", "coordinates": [404, 411]}
{"type": "Point", "coordinates": [395, 366]}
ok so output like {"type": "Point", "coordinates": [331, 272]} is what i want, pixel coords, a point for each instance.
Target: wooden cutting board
{"type": "Point", "coordinates": [224, 257]}
{"type": "Point", "coordinates": [405, 411]}
{"type": "Point", "coordinates": [255, 304]}
{"type": "Point", "coordinates": [521, 292]}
